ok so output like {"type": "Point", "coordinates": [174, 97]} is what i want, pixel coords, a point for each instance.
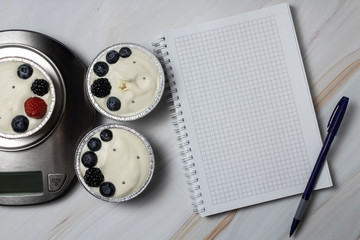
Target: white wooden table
{"type": "Point", "coordinates": [329, 38]}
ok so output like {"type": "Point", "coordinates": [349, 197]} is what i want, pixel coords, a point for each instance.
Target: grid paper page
{"type": "Point", "coordinates": [247, 109]}
{"type": "Point", "coordinates": [246, 121]}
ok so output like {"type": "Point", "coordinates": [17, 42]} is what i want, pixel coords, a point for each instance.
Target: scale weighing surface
{"type": "Point", "coordinates": [40, 167]}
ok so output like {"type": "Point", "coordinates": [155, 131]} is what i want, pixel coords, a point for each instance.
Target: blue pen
{"type": "Point", "coordinates": [333, 127]}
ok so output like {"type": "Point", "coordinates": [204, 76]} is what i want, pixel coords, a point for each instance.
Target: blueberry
{"type": "Point", "coordinates": [113, 103]}
{"type": "Point", "coordinates": [106, 135]}
{"type": "Point", "coordinates": [101, 69]}
{"type": "Point", "coordinates": [94, 144]}
{"type": "Point", "coordinates": [125, 52]}
{"type": "Point", "coordinates": [112, 56]}
{"type": "Point", "coordinates": [20, 124]}
{"type": "Point", "coordinates": [89, 159]}
{"type": "Point", "coordinates": [107, 189]}
{"type": "Point", "coordinates": [24, 71]}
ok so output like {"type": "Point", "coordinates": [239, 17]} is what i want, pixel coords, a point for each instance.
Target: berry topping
{"type": "Point", "coordinates": [101, 87]}
{"type": "Point", "coordinates": [101, 68]}
{"type": "Point", "coordinates": [40, 87]}
{"type": "Point", "coordinates": [125, 52]}
{"type": "Point", "coordinates": [20, 124]}
{"type": "Point", "coordinates": [24, 71]}
{"type": "Point", "coordinates": [94, 144]}
{"type": "Point", "coordinates": [112, 57]}
{"type": "Point", "coordinates": [113, 103]}
{"type": "Point", "coordinates": [107, 189]}
{"type": "Point", "coordinates": [89, 159]}
{"type": "Point", "coordinates": [93, 177]}
{"type": "Point", "coordinates": [106, 135]}
{"type": "Point", "coordinates": [35, 107]}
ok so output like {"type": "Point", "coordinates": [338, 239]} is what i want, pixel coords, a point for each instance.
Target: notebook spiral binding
{"type": "Point", "coordinates": [160, 50]}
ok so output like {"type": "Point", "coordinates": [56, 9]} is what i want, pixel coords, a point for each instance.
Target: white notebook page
{"type": "Point", "coordinates": [247, 108]}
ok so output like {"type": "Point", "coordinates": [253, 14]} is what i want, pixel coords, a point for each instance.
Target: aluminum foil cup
{"type": "Point", "coordinates": [114, 163]}
{"type": "Point", "coordinates": [17, 121]}
{"type": "Point", "coordinates": [125, 82]}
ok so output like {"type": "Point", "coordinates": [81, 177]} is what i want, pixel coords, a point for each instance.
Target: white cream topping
{"type": "Point", "coordinates": [134, 81]}
{"type": "Point", "coordinates": [124, 161]}
{"type": "Point", "coordinates": [14, 91]}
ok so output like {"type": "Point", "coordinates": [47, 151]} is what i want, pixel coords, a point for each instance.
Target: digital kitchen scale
{"type": "Point", "coordinates": [40, 167]}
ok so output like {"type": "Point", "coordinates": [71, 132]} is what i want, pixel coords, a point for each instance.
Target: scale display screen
{"type": "Point", "coordinates": [21, 182]}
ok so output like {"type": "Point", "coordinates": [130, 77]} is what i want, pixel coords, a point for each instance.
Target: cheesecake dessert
{"type": "Point", "coordinates": [125, 82]}
{"type": "Point", "coordinates": [27, 96]}
{"type": "Point", "coordinates": [114, 163]}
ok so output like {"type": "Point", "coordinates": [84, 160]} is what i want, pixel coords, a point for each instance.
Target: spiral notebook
{"type": "Point", "coordinates": [242, 108]}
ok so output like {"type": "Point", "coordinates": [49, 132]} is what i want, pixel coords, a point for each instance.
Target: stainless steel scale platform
{"type": "Point", "coordinates": [40, 167]}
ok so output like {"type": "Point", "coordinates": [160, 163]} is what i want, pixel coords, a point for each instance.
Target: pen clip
{"type": "Point", "coordinates": [333, 114]}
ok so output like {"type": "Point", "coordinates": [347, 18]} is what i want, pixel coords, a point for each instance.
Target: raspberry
{"type": "Point", "coordinates": [101, 87]}
{"type": "Point", "coordinates": [35, 107]}
{"type": "Point", "coordinates": [93, 177]}
{"type": "Point", "coordinates": [40, 87]}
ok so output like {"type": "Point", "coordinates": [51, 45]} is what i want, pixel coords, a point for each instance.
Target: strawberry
{"type": "Point", "coordinates": [35, 107]}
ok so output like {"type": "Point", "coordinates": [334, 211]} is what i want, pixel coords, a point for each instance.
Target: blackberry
{"type": "Point", "coordinates": [93, 177]}
{"type": "Point", "coordinates": [125, 52]}
{"type": "Point", "coordinates": [40, 87]}
{"type": "Point", "coordinates": [112, 57]}
{"type": "Point", "coordinates": [24, 71]}
{"type": "Point", "coordinates": [107, 189]}
{"type": "Point", "coordinates": [94, 144]}
{"type": "Point", "coordinates": [101, 69]}
{"type": "Point", "coordinates": [20, 124]}
{"type": "Point", "coordinates": [106, 135]}
{"type": "Point", "coordinates": [101, 87]}
{"type": "Point", "coordinates": [113, 103]}
{"type": "Point", "coordinates": [89, 159]}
